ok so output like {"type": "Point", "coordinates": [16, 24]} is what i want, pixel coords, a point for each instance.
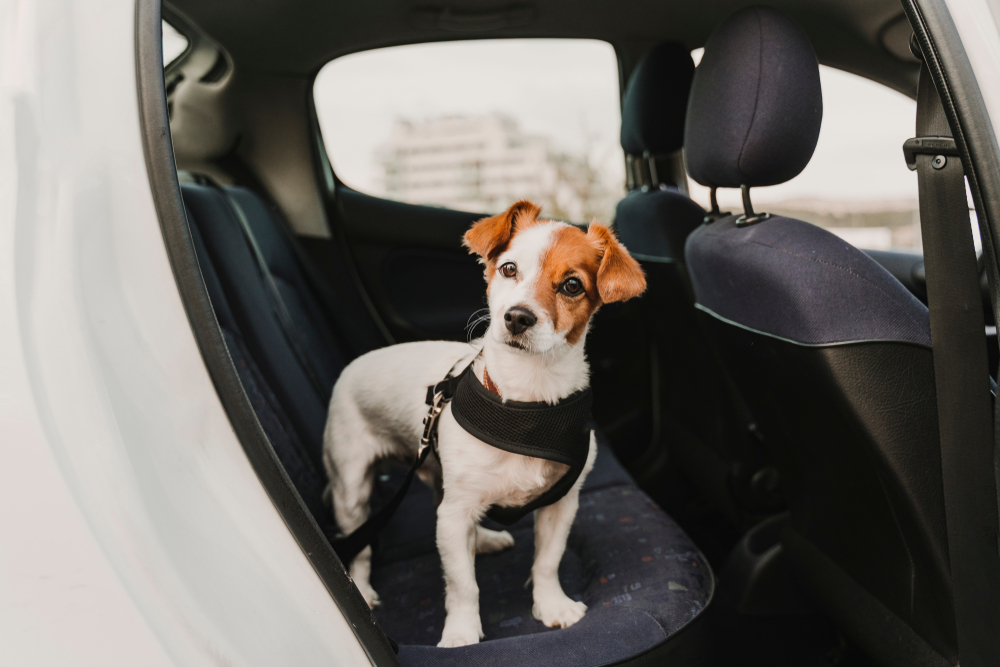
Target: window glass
{"type": "Point", "coordinates": [857, 184]}
{"type": "Point", "coordinates": [477, 125]}
{"type": "Point", "coordinates": [174, 43]}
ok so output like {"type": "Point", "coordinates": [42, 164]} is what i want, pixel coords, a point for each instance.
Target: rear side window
{"type": "Point", "coordinates": [478, 125]}
{"type": "Point", "coordinates": [857, 184]}
{"type": "Point", "coordinates": [174, 43]}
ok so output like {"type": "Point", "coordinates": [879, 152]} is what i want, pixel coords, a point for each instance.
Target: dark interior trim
{"type": "Point", "coordinates": [177, 239]}
{"type": "Point", "coordinates": [839, 343]}
{"type": "Point", "coordinates": [963, 103]}
{"type": "Point", "coordinates": [330, 186]}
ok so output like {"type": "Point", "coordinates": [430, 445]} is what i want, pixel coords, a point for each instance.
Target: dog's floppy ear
{"type": "Point", "coordinates": [490, 236]}
{"type": "Point", "coordinates": [619, 278]}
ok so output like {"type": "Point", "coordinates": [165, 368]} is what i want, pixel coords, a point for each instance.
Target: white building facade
{"type": "Point", "coordinates": [478, 163]}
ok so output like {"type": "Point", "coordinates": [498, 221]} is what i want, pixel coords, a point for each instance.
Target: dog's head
{"type": "Point", "coordinates": [546, 279]}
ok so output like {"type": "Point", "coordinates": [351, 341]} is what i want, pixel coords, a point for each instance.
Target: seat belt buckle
{"type": "Point", "coordinates": [937, 146]}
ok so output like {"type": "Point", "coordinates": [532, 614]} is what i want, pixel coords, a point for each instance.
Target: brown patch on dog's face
{"type": "Point", "coordinates": [571, 257]}
{"type": "Point", "coordinates": [580, 271]}
{"type": "Point", "coordinates": [489, 237]}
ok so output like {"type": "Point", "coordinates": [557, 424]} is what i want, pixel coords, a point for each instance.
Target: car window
{"type": "Point", "coordinates": [174, 43]}
{"type": "Point", "coordinates": [477, 125]}
{"type": "Point", "coordinates": [857, 184]}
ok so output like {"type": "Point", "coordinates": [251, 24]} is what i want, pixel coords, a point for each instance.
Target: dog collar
{"type": "Point", "coordinates": [489, 383]}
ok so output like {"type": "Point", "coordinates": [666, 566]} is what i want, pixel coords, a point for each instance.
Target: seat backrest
{"type": "Point", "coordinates": [830, 350]}
{"type": "Point", "coordinates": [291, 408]}
{"type": "Point", "coordinates": [657, 215]}
{"type": "Point", "coordinates": [704, 421]}
{"type": "Point", "coordinates": [298, 460]}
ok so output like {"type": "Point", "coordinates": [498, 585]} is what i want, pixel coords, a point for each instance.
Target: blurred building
{"type": "Point", "coordinates": [479, 163]}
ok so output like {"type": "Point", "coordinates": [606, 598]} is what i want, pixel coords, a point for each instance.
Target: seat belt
{"type": "Point", "coordinates": [961, 377]}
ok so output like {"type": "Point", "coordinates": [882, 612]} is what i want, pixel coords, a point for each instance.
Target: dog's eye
{"type": "Point", "coordinates": [508, 270]}
{"type": "Point", "coordinates": [572, 287]}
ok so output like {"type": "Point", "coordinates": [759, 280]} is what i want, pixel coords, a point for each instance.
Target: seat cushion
{"type": "Point", "coordinates": [641, 577]}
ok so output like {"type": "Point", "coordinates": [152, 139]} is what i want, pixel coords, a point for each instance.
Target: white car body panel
{"type": "Point", "coordinates": [133, 530]}
{"type": "Point", "coordinates": [977, 26]}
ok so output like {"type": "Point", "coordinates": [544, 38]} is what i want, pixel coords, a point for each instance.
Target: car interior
{"type": "Point", "coordinates": [768, 483]}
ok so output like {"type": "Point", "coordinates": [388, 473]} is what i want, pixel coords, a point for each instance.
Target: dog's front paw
{"type": "Point", "coordinates": [461, 630]}
{"type": "Point", "coordinates": [491, 541]}
{"type": "Point", "coordinates": [369, 594]}
{"type": "Point", "coordinates": [557, 611]}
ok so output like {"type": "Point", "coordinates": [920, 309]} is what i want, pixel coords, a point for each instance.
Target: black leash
{"type": "Point", "coordinates": [438, 396]}
{"type": "Point", "coordinates": [559, 432]}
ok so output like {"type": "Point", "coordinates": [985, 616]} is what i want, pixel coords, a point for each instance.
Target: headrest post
{"type": "Point", "coordinates": [715, 213]}
{"type": "Point", "coordinates": [747, 205]}
{"type": "Point", "coordinates": [654, 178]}
{"type": "Point", "coordinates": [749, 217]}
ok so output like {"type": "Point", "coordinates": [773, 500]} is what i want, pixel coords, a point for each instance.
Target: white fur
{"type": "Point", "coordinates": [377, 410]}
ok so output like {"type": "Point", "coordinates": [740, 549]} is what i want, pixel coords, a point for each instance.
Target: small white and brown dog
{"type": "Point", "coordinates": [545, 280]}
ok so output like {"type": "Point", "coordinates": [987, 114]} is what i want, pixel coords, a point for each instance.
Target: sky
{"type": "Point", "coordinates": [565, 89]}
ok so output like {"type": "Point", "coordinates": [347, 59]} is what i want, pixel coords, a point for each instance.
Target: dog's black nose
{"type": "Point", "coordinates": [519, 319]}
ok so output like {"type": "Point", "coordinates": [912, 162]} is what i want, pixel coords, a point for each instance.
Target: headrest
{"type": "Point", "coordinates": [756, 105]}
{"type": "Point", "coordinates": [656, 100]}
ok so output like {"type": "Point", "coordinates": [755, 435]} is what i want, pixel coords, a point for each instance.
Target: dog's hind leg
{"type": "Point", "coordinates": [491, 541]}
{"type": "Point", "coordinates": [349, 457]}
{"type": "Point", "coordinates": [552, 525]}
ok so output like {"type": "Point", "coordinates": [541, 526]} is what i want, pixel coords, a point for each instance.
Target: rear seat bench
{"type": "Point", "coordinates": [640, 575]}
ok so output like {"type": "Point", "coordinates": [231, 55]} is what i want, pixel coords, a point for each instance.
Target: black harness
{"type": "Point", "coordinates": [559, 432]}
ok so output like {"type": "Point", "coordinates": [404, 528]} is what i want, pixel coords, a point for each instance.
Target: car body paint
{"type": "Point", "coordinates": [133, 530]}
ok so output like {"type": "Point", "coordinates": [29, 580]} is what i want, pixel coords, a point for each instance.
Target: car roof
{"type": "Point", "coordinates": [297, 37]}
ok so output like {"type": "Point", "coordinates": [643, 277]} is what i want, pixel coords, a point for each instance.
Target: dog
{"type": "Point", "coordinates": [545, 280]}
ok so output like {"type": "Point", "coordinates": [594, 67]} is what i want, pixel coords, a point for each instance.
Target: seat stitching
{"type": "Point", "coordinates": [756, 101]}
{"type": "Point", "coordinates": [836, 266]}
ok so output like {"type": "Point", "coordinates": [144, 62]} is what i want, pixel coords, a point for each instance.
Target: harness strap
{"type": "Point", "coordinates": [559, 433]}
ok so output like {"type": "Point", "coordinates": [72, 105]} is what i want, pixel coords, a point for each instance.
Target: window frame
{"type": "Point", "coordinates": [329, 176]}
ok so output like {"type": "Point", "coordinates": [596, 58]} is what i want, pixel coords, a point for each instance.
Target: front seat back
{"type": "Point", "coordinates": [832, 353]}
{"type": "Point", "coordinates": [704, 423]}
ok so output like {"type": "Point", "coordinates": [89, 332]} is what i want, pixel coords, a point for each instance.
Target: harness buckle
{"type": "Point", "coordinates": [430, 421]}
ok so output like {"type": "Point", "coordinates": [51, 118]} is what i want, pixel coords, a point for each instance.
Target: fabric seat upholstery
{"type": "Point", "coordinates": [706, 421]}
{"type": "Point", "coordinates": [642, 576]}
{"type": "Point", "coordinates": [831, 352]}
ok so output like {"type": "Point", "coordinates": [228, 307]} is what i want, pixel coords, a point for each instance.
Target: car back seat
{"type": "Point", "coordinates": [638, 572]}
